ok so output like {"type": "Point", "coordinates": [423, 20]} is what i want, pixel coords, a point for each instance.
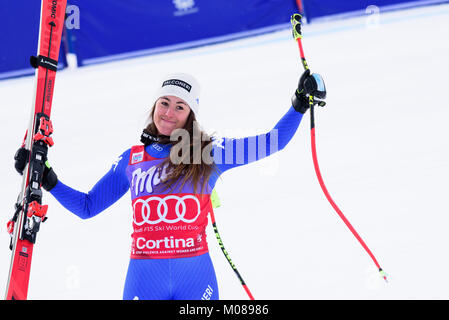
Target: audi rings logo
{"type": "Point", "coordinates": [170, 209]}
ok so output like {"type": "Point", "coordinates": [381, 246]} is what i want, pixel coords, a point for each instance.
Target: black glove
{"type": "Point", "coordinates": [309, 85]}
{"type": "Point", "coordinates": [49, 179]}
{"type": "Point", "coordinates": [20, 159]}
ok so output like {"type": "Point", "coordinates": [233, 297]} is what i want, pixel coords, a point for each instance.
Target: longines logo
{"type": "Point", "coordinates": [184, 7]}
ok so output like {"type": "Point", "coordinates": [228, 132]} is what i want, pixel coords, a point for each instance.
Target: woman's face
{"type": "Point", "coordinates": [170, 113]}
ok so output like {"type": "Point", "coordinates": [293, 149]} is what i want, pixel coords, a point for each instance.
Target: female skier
{"type": "Point", "coordinates": [171, 179]}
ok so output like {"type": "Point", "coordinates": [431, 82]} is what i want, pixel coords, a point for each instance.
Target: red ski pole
{"type": "Point", "coordinates": [296, 25]}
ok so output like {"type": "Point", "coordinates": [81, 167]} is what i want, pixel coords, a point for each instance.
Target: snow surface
{"type": "Point", "coordinates": [382, 145]}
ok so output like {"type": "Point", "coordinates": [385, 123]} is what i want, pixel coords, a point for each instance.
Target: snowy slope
{"type": "Point", "coordinates": [382, 145]}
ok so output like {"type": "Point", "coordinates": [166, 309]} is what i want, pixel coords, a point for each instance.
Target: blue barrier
{"type": "Point", "coordinates": [101, 31]}
{"type": "Point", "coordinates": [330, 9]}
{"type": "Point", "coordinates": [114, 29]}
{"type": "Point", "coordinates": [18, 39]}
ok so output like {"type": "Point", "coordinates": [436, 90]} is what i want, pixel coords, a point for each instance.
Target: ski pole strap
{"type": "Point", "coordinates": [43, 61]}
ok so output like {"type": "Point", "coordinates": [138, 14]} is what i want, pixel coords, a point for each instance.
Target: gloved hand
{"type": "Point", "coordinates": [49, 179]}
{"type": "Point", "coordinates": [309, 85]}
{"type": "Point", "coordinates": [20, 159]}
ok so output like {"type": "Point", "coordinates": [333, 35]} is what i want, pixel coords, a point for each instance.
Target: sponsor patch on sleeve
{"type": "Point", "coordinates": [137, 157]}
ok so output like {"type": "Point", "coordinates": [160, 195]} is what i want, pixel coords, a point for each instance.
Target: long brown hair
{"type": "Point", "coordinates": [187, 170]}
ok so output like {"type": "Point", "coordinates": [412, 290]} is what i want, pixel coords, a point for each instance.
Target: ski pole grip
{"type": "Point", "coordinates": [295, 20]}
{"type": "Point", "coordinates": [296, 25]}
